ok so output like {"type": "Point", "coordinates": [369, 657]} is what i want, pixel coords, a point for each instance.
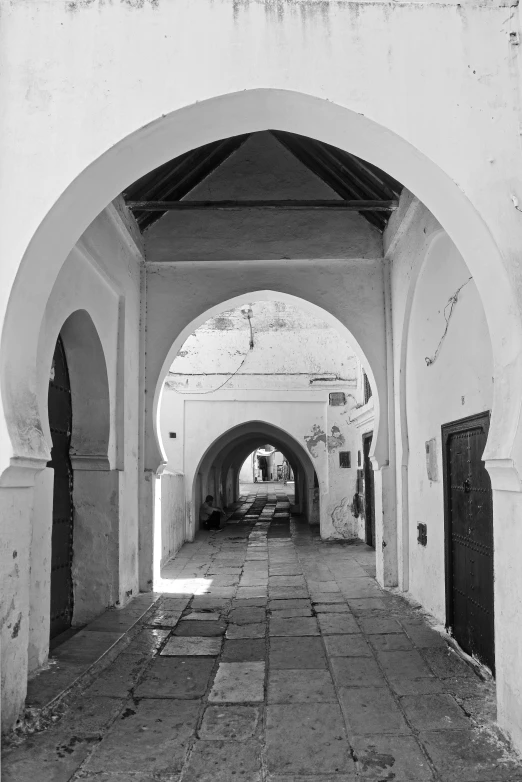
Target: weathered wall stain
{"type": "Point", "coordinates": [341, 518]}
{"type": "Point", "coordinates": [333, 441]}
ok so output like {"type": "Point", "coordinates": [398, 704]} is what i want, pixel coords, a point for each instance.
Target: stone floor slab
{"type": "Point", "coordinates": [229, 723]}
{"type": "Point", "coordinates": [371, 710]}
{"type": "Point", "coordinates": [337, 624]}
{"type": "Point", "coordinates": [296, 653]}
{"type": "Point", "coordinates": [223, 761]}
{"type": "Point", "coordinates": [407, 664]}
{"type": "Point", "coordinates": [347, 646]}
{"type": "Point", "coordinates": [176, 677]}
{"type": "Point", "coordinates": [470, 756]}
{"type": "Point", "coordinates": [246, 631]}
{"type": "Point", "coordinates": [287, 604]}
{"type": "Point", "coordinates": [307, 738]}
{"type": "Point", "coordinates": [372, 625]}
{"type": "Point", "coordinates": [249, 615]}
{"type": "Point", "coordinates": [241, 682]}
{"type": "Point", "coordinates": [357, 672]}
{"type": "Point", "coordinates": [183, 647]}
{"type": "Point", "coordinates": [52, 756]}
{"type": "Point", "coordinates": [434, 712]}
{"type": "Point", "coordinates": [302, 686]}
{"type": "Point", "coordinates": [150, 737]}
{"type": "Point", "coordinates": [165, 618]}
{"type": "Point", "coordinates": [331, 608]}
{"type": "Point", "coordinates": [244, 650]}
{"type": "Point", "coordinates": [202, 616]}
{"type": "Point", "coordinates": [293, 626]}
{"type": "Point", "coordinates": [148, 641]}
{"type": "Point", "coordinates": [118, 679]}
{"type": "Point", "coordinates": [192, 629]}
{"type": "Point", "coordinates": [390, 642]}
{"type": "Point", "coordinates": [387, 757]}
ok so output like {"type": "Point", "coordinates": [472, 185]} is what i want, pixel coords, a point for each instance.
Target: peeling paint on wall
{"type": "Point", "coordinates": [341, 518]}
{"type": "Point", "coordinates": [334, 441]}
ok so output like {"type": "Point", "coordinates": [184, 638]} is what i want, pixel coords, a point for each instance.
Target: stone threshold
{"type": "Point", "coordinates": [79, 660]}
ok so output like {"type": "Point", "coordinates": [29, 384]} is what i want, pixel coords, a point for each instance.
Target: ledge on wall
{"type": "Point", "coordinates": [364, 415]}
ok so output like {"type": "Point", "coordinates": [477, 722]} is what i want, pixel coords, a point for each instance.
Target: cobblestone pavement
{"type": "Point", "coordinates": [273, 656]}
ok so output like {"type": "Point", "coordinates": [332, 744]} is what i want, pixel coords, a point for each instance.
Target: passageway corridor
{"type": "Point", "coordinates": [274, 657]}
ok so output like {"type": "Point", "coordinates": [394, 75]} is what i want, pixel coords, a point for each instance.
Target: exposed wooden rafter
{"type": "Point", "coordinates": [192, 206]}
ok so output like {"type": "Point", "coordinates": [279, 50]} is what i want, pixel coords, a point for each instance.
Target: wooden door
{"type": "Point", "coordinates": [60, 422]}
{"type": "Point", "coordinates": [469, 538]}
{"type": "Point", "coordinates": [369, 491]}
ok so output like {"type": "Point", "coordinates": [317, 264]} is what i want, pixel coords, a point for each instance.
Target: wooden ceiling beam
{"type": "Point", "coordinates": [212, 206]}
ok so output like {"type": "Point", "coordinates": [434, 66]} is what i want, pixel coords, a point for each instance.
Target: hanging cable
{"type": "Point", "coordinates": [451, 304]}
{"type": "Point", "coordinates": [247, 313]}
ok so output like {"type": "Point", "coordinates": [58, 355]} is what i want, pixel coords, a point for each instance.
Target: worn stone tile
{"type": "Point", "coordinates": [222, 761]}
{"type": "Point", "coordinates": [434, 712]}
{"type": "Point", "coordinates": [323, 586]}
{"type": "Point", "coordinates": [289, 569]}
{"type": "Point", "coordinates": [255, 602]}
{"type": "Point", "coordinates": [202, 616]}
{"type": "Point", "coordinates": [424, 637]}
{"type": "Point", "coordinates": [290, 613]}
{"type": "Point", "coordinates": [287, 581]}
{"type": "Point", "coordinates": [373, 625]}
{"type": "Point", "coordinates": [246, 631]}
{"type": "Point", "coordinates": [328, 597]}
{"type": "Point", "coordinates": [470, 756]}
{"type": "Point", "coordinates": [164, 618]}
{"type": "Point", "coordinates": [390, 642]}
{"type": "Point", "coordinates": [147, 641]}
{"type": "Point", "coordinates": [293, 626]}
{"type": "Point", "coordinates": [249, 615]}
{"type": "Point", "coordinates": [357, 672]}
{"type": "Point", "coordinates": [386, 757]}
{"type": "Point", "coordinates": [287, 604]}
{"type": "Point", "coordinates": [446, 663]}
{"type": "Point", "coordinates": [229, 723]}
{"type": "Point", "coordinates": [224, 592]}
{"type": "Point", "coordinates": [337, 624]}
{"type": "Point", "coordinates": [405, 686]}
{"type": "Point", "coordinates": [205, 602]}
{"type": "Point", "coordinates": [89, 715]}
{"type": "Point", "coordinates": [176, 677]}
{"type": "Point", "coordinates": [118, 679]}
{"type": "Point", "coordinates": [404, 665]}
{"type": "Point", "coordinates": [307, 738]}
{"type": "Point", "coordinates": [287, 593]}
{"type": "Point", "coordinates": [363, 604]}
{"type": "Point", "coordinates": [295, 653]}
{"type": "Point", "coordinates": [183, 646]}
{"type": "Point", "coordinates": [150, 737]}
{"type": "Point", "coordinates": [331, 608]}
{"type": "Point", "coordinates": [191, 628]}
{"type": "Point", "coordinates": [247, 593]}
{"type": "Point", "coordinates": [115, 777]}
{"type": "Point", "coordinates": [244, 650]}
{"type": "Point", "coordinates": [51, 756]}
{"type": "Point", "coordinates": [301, 686]}
{"type": "Point", "coordinates": [371, 710]}
{"type": "Point", "coordinates": [348, 777]}
{"type": "Point", "coordinates": [347, 646]}
{"type": "Point", "coordinates": [86, 646]}
{"type": "Point", "coordinates": [241, 682]}
{"type": "Point", "coordinates": [49, 683]}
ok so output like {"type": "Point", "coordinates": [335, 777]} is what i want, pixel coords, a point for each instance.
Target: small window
{"type": "Point", "coordinates": [337, 398]}
{"type": "Point", "coordinates": [367, 388]}
{"type": "Point", "coordinates": [345, 459]}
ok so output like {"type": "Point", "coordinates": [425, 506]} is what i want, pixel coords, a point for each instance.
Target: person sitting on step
{"type": "Point", "coordinates": [210, 515]}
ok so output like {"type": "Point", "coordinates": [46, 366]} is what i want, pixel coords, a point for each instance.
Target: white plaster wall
{"type": "Point", "coordinates": [246, 474]}
{"type": "Point", "coordinates": [172, 514]}
{"type": "Point", "coordinates": [458, 384]}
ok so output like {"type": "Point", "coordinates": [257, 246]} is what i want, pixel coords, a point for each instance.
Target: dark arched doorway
{"type": "Point", "coordinates": [60, 422]}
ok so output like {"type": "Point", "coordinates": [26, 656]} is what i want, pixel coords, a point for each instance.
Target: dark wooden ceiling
{"type": "Point", "coordinates": [348, 176]}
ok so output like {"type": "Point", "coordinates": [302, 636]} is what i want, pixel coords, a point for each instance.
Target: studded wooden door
{"type": "Point", "coordinates": [469, 538]}
{"type": "Point", "coordinates": [369, 491]}
{"type": "Point", "coordinates": [60, 422]}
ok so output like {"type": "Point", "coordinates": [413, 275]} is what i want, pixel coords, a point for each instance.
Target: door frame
{"type": "Point", "coordinates": [369, 523]}
{"type": "Point", "coordinates": [476, 421]}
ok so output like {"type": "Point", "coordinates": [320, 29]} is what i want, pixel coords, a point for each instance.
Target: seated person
{"type": "Point", "coordinates": [210, 515]}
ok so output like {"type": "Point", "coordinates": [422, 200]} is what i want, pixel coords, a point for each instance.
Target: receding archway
{"type": "Point", "coordinates": [220, 117]}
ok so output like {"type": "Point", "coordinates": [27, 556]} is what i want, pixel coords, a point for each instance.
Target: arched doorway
{"type": "Point", "coordinates": [60, 423]}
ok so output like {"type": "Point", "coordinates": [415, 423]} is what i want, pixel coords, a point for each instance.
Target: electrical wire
{"type": "Point", "coordinates": [213, 390]}
{"type": "Point", "coordinates": [451, 304]}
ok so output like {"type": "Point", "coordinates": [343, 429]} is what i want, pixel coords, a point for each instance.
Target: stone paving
{"type": "Point", "coordinates": [274, 656]}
